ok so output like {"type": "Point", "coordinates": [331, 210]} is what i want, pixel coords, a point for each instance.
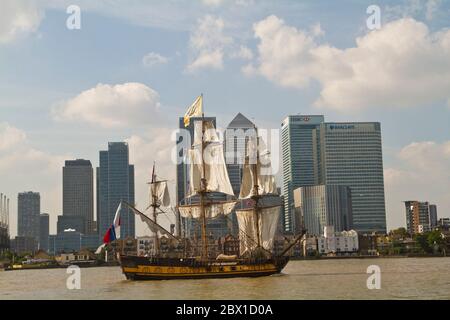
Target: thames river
{"type": "Point", "coordinates": [401, 278]}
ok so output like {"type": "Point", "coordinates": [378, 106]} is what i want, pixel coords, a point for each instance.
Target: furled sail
{"type": "Point", "coordinates": [257, 154]}
{"type": "Point", "coordinates": [267, 221]}
{"type": "Point", "coordinates": [153, 226]}
{"type": "Point", "coordinates": [160, 193]}
{"type": "Point", "coordinates": [215, 170]}
{"type": "Point", "coordinates": [211, 210]}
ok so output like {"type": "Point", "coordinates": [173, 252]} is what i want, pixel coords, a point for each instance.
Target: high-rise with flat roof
{"type": "Point", "coordinates": [433, 216]}
{"type": "Point", "coordinates": [4, 223]}
{"type": "Point", "coordinates": [44, 226]}
{"type": "Point", "coordinates": [78, 191]}
{"type": "Point", "coordinates": [324, 205]}
{"type": "Point", "coordinates": [345, 154]}
{"type": "Point", "coordinates": [297, 140]}
{"type": "Point", "coordinates": [28, 211]}
{"type": "Point", "coordinates": [420, 216]}
{"type": "Point", "coordinates": [115, 182]}
{"type": "Point", "coordinates": [350, 154]}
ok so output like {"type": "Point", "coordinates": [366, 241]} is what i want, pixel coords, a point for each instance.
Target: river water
{"type": "Point", "coordinates": [401, 278]}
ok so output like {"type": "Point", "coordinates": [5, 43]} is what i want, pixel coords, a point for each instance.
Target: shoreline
{"type": "Point", "coordinates": [59, 267]}
{"type": "Point", "coordinates": [291, 259]}
{"type": "Point", "coordinates": [365, 257]}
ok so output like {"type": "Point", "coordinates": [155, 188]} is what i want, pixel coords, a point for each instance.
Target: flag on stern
{"type": "Point", "coordinates": [113, 232]}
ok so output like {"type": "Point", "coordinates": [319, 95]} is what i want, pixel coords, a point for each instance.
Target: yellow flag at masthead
{"type": "Point", "coordinates": [195, 110]}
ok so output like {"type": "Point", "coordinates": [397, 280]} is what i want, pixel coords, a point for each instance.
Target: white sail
{"type": "Point", "coordinates": [265, 178]}
{"type": "Point", "coordinates": [210, 135]}
{"type": "Point", "coordinates": [267, 223]}
{"type": "Point", "coordinates": [160, 192]}
{"type": "Point", "coordinates": [211, 210]}
{"type": "Point", "coordinates": [215, 170]}
{"type": "Point", "coordinates": [153, 226]}
{"type": "Point", "coordinates": [247, 231]}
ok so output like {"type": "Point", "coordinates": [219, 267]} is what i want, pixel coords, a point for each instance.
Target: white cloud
{"type": "Point", "coordinates": [401, 65]}
{"type": "Point", "coordinates": [207, 59]}
{"type": "Point", "coordinates": [154, 145]}
{"type": "Point", "coordinates": [428, 156]}
{"type": "Point", "coordinates": [25, 168]}
{"type": "Point", "coordinates": [316, 30]}
{"type": "Point", "coordinates": [18, 18]}
{"type": "Point", "coordinates": [152, 59]}
{"type": "Point", "coordinates": [10, 136]}
{"type": "Point", "coordinates": [111, 106]}
{"type": "Point", "coordinates": [423, 174]}
{"type": "Point", "coordinates": [242, 52]}
{"type": "Point", "coordinates": [207, 43]}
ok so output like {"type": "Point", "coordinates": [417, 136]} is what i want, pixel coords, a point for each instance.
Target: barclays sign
{"type": "Point", "coordinates": [341, 126]}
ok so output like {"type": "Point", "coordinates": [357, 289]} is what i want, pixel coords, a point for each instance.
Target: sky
{"type": "Point", "coordinates": [133, 67]}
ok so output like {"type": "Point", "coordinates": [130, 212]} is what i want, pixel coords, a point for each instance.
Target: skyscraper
{"type": "Point", "coordinates": [297, 140]}
{"type": "Point", "coordinates": [28, 210]}
{"type": "Point", "coordinates": [78, 191]}
{"type": "Point", "coordinates": [324, 205]}
{"type": "Point", "coordinates": [350, 154]}
{"type": "Point", "coordinates": [346, 154]}
{"type": "Point", "coordinates": [115, 182]}
{"type": "Point", "coordinates": [4, 223]}
{"type": "Point", "coordinates": [433, 216]}
{"type": "Point", "coordinates": [236, 137]}
{"type": "Point", "coordinates": [44, 225]}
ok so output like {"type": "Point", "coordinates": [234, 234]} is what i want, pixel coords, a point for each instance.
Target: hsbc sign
{"type": "Point", "coordinates": [303, 119]}
{"type": "Point", "coordinates": [309, 119]}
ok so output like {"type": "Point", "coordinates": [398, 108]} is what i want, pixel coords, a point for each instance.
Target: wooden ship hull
{"type": "Point", "coordinates": [144, 268]}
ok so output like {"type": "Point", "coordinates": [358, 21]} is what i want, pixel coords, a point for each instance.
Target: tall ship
{"type": "Point", "coordinates": [257, 216]}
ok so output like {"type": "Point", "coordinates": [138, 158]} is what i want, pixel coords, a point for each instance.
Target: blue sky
{"type": "Point", "coordinates": [266, 59]}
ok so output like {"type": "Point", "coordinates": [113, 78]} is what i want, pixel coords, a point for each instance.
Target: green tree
{"type": "Point", "coordinates": [434, 238]}
{"type": "Point", "coordinates": [400, 233]}
{"type": "Point", "coordinates": [422, 241]}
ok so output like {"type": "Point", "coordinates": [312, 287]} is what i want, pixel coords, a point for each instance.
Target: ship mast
{"type": "Point", "coordinates": [155, 206]}
{"type": "Point", "coordinates": [202, 193]}
{"type": "Point", "coordinates": [205, 179]}
{"type": "Point", "coordinates": [256, 195]}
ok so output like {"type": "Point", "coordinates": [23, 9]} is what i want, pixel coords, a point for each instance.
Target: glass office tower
{"type": "Point", "coordinates": [29, 212]}
{"type": "Point", "coordinates": [297, 139]}
{"type": "Point", "coordinates": [78, 192]}
{"type": "Point", "coordinates": [115, 182]}
{"type": "Point", "coordinates": [350, 154]}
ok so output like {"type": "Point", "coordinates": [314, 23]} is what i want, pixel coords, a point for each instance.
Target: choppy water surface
{"type": "Point", "coordinates": [401, 278]}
